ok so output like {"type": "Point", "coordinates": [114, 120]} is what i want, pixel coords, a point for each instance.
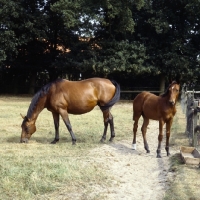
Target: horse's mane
{"type": "Point", "coordinates": [41, 93]}
{"type": "Point", "coordinates": [167, 90]}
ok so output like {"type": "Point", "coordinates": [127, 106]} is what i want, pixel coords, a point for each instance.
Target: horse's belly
{"type": "Point", "coordinates": [150, 115]}
{"type": "Point", "coordinates": [150, 111]}
{"type": "Point", "coordinates": [79, 109]}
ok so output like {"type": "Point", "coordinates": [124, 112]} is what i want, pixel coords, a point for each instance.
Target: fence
{"type": "Point", "coordinates": [131, 94]}
{"type": "Point", "coordinates": [190, 103]}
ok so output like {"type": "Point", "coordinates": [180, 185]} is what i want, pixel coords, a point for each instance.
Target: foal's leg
{"type": "Point", "coordinates": [135, 126]}
{"type": "Point", "coordinates": [168, 127]}
{"type": "Point", "coordinates": [160, 137]}
{"type": "Point", "coordinates": [137, 112]}
{"type": "Point", "coordinates": [56, 125]}
{"type": "Point", "coordinates": [144, 131]}
{"type": "Point", "coordinates": [65, 117]}
{"type": "Point", "coordinates": [108, 118]}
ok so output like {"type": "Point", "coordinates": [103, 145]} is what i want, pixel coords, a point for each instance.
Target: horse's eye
{"type": "Point", "coordinates": [27, 129]}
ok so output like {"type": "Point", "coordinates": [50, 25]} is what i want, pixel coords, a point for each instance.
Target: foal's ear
{"type": "Point", "coordinates": [22, 116]}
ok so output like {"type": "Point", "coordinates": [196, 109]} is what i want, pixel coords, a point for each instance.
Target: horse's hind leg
{"type": "Point", "coordinates": [112, 131]}
{"type": "Point", "coordinates": [144, 131]}
{"type": "Point", "coordinates": [137, 112]}
{"type": "Point", "coordinates": [135, 126]}
{"type": "Point", "coordinates": [108, 118]}
{"type": "Point", "coordinates": [56, 125]}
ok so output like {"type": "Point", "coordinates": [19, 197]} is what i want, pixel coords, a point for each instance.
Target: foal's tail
{"type": "Point", "coordinates": [115, 98]}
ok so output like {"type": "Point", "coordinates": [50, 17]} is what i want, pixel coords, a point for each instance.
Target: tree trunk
{"type": "Point", "coordinates": [162, 84]}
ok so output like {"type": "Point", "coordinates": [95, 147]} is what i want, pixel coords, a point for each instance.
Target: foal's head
{"type": "Point", "coordinates": [173, 92]}
{"type": "Point", "coordinates": [28, 128]}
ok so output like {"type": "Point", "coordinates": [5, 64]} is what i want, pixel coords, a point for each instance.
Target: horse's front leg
{"type": "Point", "coordinates": [160, 137]}
{"type": "Point", "coordinates": [56, 125]}
{"type": "Point", "coordinates": [168, 128]}
{"type": "Point", "coordinates": [65, 118]}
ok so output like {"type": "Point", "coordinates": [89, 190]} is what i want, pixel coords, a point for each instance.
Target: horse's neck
{"type": "Point", "coordinates": [37, 110]}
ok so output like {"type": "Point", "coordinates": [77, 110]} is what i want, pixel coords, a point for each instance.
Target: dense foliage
{"type": "Point", "coordinates": [41, 40]}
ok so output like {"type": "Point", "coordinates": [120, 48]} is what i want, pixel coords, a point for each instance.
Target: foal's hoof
{"type": "Point", "coordinates": [73, 142]}
{"type": "Point", "coordinates": [133, 147]}
{"type": "Point", "coordinates": [102, 140]}
{"type": "Point", "coordinates": [111, 139]}
{"type": "Point", "coordinates": [158, 156]}
{"type": "Point", "coordinates": [168, 154]}
{"type": "Point", "coordinates": [148, 151]}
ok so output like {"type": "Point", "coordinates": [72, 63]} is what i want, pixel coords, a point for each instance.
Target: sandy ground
{"type": "Point", "coordinates": [133, 174]}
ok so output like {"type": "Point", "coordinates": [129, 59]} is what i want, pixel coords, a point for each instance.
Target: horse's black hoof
{"type": "Point", "coordinates": [168, 154]}
{"type": "Point", "coordinates": [158, 156]}
{"type": "Point", "coordinates": [148, 151]}
{"type": "Point", "coordinates": [54, 141]}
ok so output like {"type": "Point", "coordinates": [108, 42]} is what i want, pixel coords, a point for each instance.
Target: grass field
{"type": "Point", "coordinates": [38, 169]}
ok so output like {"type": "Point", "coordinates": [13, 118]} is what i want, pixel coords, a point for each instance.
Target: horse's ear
{"type": "Point", "coordinates": [25, 117]}
{"type": "Point", "coordinates": [22, 116]}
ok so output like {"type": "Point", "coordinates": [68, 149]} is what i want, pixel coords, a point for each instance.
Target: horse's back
{"type": "Point", "coordinates": [100, 88]}
{"type": "Point", "coordinates": [79, 97]}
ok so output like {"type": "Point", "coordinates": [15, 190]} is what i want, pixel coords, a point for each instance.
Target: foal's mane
{"type": "Point", "coordinates": [41, 93]}
{"type": "Point", "coordinates": [167, 90]}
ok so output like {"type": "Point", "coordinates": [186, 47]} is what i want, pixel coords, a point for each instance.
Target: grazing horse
{"type": "Point", "coordinates": [161, 108]}
{"type": "Point", "coordinates": [62, 97]}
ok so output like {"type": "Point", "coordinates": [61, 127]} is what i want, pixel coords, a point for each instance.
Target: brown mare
{"type": "Point", "coordinates": [75, 97]}
{"type": "Point", "coordinates": [161, 108]}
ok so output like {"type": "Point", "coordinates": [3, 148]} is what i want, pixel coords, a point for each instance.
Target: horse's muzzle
{"type": "Point", "coordinates": [24, 140]}
{"type": "Point", "coordinates": [172, 102]}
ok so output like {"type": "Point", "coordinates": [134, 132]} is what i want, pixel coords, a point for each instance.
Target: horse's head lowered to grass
{"type": "Point", "coordinates": [28, 128]}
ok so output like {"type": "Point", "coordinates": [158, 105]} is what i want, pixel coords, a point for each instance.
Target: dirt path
{"type": "Point", "coordinates": [137, 175]}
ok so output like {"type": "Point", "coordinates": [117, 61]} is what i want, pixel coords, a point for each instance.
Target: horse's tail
{"type": "Point", "coordinates": [115, 98]}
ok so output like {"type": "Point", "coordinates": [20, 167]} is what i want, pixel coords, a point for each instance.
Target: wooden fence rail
{"type": "Point", "coordinates": [130, 94]}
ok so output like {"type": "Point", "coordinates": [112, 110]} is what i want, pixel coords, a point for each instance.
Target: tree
{"type": "Point", "coordinates": [167, 29]}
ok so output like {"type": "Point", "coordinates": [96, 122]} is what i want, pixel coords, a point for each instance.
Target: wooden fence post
{"type": "Point", "coordinates": [195, 119]}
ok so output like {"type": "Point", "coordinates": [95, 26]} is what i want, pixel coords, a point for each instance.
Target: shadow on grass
{"type": "Point", "coordinates": [123, 149]}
